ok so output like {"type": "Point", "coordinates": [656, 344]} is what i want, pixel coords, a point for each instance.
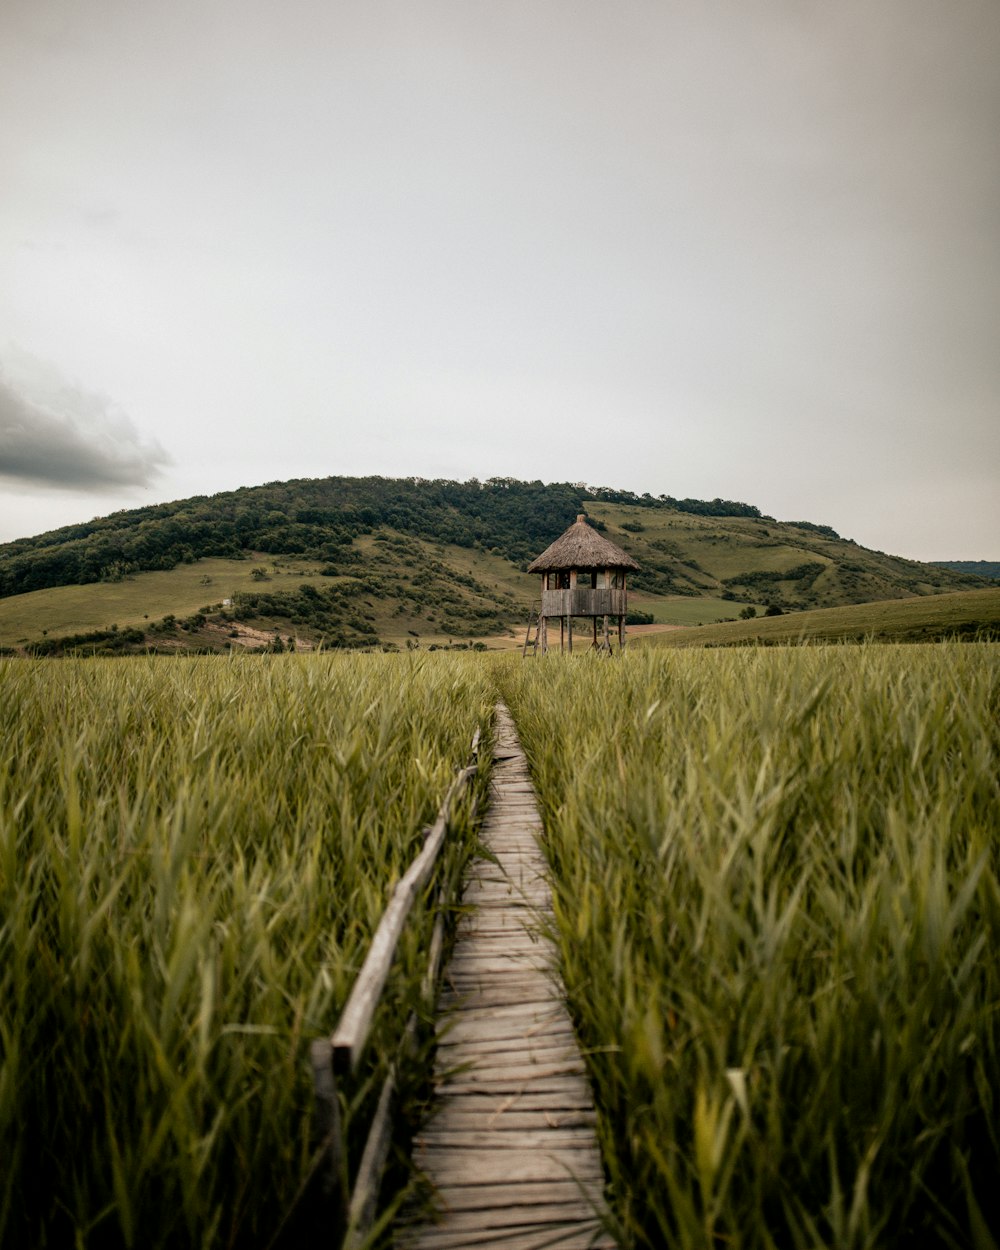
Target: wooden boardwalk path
{"type": "Point", "coordinates": [510, 1144]}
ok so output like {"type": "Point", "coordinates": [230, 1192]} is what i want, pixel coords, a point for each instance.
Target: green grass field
{"type": "Point", "coordinates": [193, 856]}
{"type": "Point", "coordinates": [396, 608]}
{"type": "Point", "coordinates": [141, 598]}
{"type": "Point", "coordinates": [777, 885]}
{"type": "Point", "coordinates": [961, 614]}
{"type": "Point", "coordinates": [778, 904]}
{"type": "Point", "coordinates": [686, 609]}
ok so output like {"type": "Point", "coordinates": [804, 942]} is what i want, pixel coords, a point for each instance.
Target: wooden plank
{"type": "Point", "coordinates": [568, 1236]}
{"type": "Point", "coordinates": [509, 947]}
{"type": "Point", "coordinates": [511, 1216]}
{"type": "Point", "coordinates": [477, 995]}
{"type": "Point", "coordinates": [521, 967]}
{"type": "Point", "coordinates": [526, 966]}
{"type": "Point", "coordinates": [489, 1048]}
{"type": "Point", "coordinates": [507, 1167]}
{"type": "Point", "coordinates": [564, 1087]}
{"type": "Point", "coordinates": [497, 923]}
{"type": "Point", "coordinates": [545, 1009]}
{"type": "Point", "coordinates": [479, 1001]}
{"type": "Point", "coordinates": [526, 957]}
{"type": "Point", "coordinates": [500, 1120]}
{"type": "Point", "coordinates": [504, 976]}
{"type": "Point", "coordinates": [494, 1196]}
{"type": "Point", "coordinates": [506, 1066]}
{"type": "Point", "coordinates": [514, 952]}
{"type": "Point", "coordinates": [543, 1139]}
{"type": "Point", "coordinates": [472, 1010]}
{"type": "Point", "coordinates": [572, 1097]}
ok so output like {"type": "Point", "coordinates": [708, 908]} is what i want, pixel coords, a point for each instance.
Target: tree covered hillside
{"type": "Point", "coordinates": [363, 562]}
{"type": "Point", "coordinates": [981, 568]}
{"type": "Point", "coordinates": [318, 518]}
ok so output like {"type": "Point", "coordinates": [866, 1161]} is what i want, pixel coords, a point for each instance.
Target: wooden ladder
{"type": "Point", "coordinates": [534, 618]}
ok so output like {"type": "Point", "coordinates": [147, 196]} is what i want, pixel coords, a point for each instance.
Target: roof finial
{"type": "Point", "coordinates": [581, 516]}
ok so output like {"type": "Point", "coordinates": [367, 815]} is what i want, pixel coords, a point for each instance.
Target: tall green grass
{"type": "Point", "coordinates": [193, 855]}
{"type": "Point", "coordinates": [778, 904]}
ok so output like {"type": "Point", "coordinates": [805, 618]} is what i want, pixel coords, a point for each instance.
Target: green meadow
{"type": "Point", "coordinates": [193, 856]}
{"type": "Point", "coordinates": [141, 597]}
{"type": "Point", "coordinates": [777, 880]}
{"type": "Point", "coordinates": [777, 885]}
{"type": "Point", "coordinates": [960, 614]}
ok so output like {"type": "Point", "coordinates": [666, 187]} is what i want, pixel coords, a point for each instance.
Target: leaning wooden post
{"type": "Point", "coordinates": [328, 1133]}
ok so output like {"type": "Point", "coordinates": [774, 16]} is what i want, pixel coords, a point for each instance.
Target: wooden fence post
{"type": "Point", "coordinates": [328, 1134]}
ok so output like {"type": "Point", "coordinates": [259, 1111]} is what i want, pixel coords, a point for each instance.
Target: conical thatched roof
{"type": "Point", "coordinates": [581, 547]}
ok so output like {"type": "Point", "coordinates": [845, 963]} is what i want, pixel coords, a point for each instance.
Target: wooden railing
{"type": "Point", "coordinates": [584, 601]}
{"type": "Point", "coordinates": [347, 1210]}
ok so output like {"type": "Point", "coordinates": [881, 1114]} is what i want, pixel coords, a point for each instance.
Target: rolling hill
{"type": "Point", "coordinates": [965, 614]}
{"type": "Point", "coordinates": [355, 562]}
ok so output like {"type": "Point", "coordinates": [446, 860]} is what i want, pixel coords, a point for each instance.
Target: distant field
{"type": "Point", "coordinates": [389, 590]}
{"type": "Point", "coordinates": [685, 609]}
{"type": "Point", "coordinates": [905, 620]}
{"type": "Point", "coordinates": [142, 597]}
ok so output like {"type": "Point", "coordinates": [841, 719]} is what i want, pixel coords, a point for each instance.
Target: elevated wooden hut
{"type": "Point", "coordinates": [583, 574]}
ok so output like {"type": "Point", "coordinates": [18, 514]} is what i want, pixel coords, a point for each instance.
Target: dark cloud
{"type": "Point", "coordinates": [78, 442]}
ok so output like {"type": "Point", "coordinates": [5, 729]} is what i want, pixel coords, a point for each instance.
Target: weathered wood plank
{"type": "Point", "coordinates": [570, 1236]}
{"type": "Point", "coordinates": [561, 1087]}
{"type": "Point", "coordinates": [527, 1216]}
{"type": "Point", "coordinates": [529, 955]}
{"type": "Point", "coordinates": [505, 1068]}
{"type": "Point", "coordinates": [495, 1196]}
{"type": "Point", "coordinates": [484, 1005]}
{"type": "Point", "coordinates": [511, 1166]}
{"type": "Point", "coordinates": [509, 1054]}
{"type": "Point", "coordinates": [574, 1099]}
{"type": "Point", "coordinates": [498, 1125]}
{"type": "Point", "coordinates": [507, 1139]}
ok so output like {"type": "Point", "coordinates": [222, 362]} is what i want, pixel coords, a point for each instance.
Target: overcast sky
{"type": "Point", "coordinates": [747, 248]}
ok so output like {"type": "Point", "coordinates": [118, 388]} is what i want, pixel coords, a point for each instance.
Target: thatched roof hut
{"type": "Point", "coordinates": [581, 547]}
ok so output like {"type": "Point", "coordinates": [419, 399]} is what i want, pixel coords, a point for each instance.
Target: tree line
{"type": "Point", "coordinates": [317, 518]}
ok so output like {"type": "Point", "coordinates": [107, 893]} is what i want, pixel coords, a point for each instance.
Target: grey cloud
{"type": "Point", "coordinates": [78, 442]}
